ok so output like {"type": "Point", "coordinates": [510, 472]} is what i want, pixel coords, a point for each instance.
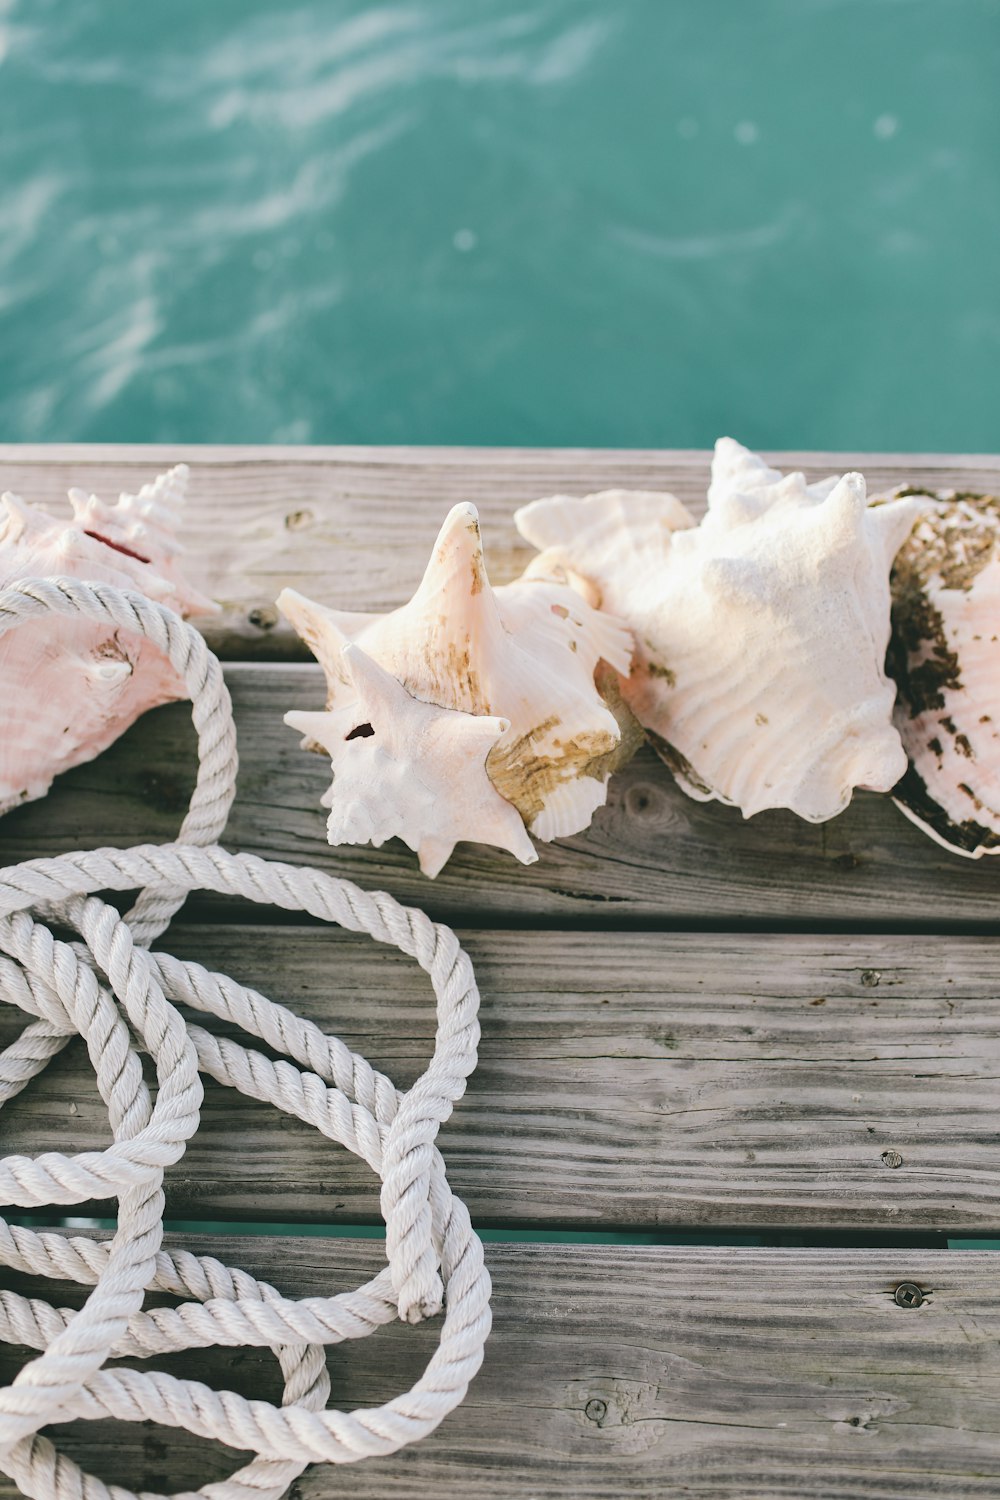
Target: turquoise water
{"type": "Point", "coordinates": [483, 221]}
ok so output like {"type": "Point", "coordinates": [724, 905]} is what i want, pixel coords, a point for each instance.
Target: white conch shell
{"type": "Point", "coordinates": [945, 657]}
{"type": "Point", "coordinates": [410, 770]}
{"type": "Point", "coordinates": [760, 633]}
{"type": "Point", "coordinates": [525, 653]}
{"type": "Point", "coordinates": [69, 687]}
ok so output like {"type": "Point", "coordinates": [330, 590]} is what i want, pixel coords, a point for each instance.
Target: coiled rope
{"type": "Point", "coordinates": [120, 997]}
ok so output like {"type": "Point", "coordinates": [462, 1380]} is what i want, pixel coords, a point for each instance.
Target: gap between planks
{"type": "Point", "coordinates": [652, 857]}
{"type": "Point", "coordinates": [678, 1083]}
{"type": "Point", "coordinates": [615, 1374]}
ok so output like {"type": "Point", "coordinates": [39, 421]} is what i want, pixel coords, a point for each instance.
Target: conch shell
{"type": "Point", "coordinates": [760, 633]}
{"type": "Point", "coordinates": [945, 657]}
{"type": "Point", "coordinates": [468, 713]}
{"type": "Point", "coordinates": [69, 687]}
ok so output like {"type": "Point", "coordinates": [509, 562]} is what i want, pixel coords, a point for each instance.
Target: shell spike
{"type": "Point", "coordinates": [735, 467]}
{"type": "Point", "coordinates": [168, 489]}
{"type": "Point", "coordinates": [433, 854]}
{"type": "Point", "coordinates": [86, 507]}
{"type": "Point", "coordinates": [315, 726]}
{"type": "Point", "coordinates": [893, 523]}
{"type": "Point", "coordinates": [452, 619]}
{"type": "Point", "coordinates": [849, 496]}
{"type": "Point", "coordinates": [19, 518]}
{"type": "Point", "coordinates": [319, 628]}
{"type": "Point", "coordinates": [457, 563]}
{"type": "Point", "coordinates": [841, 516]}
{"type": "Point", "coordinates": [378, 691]}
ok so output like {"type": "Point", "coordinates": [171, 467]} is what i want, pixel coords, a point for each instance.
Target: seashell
{"type": "Point", "coordinates": [69, 687]}
{"type": "Point", "coordinates": [760, 633]}
{"type": "Point", "coordinates": [468, 713]}
{"type": "Point", "coordinates": [945, 657]}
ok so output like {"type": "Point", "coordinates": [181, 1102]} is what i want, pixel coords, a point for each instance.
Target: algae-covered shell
{"type": "Point", "coordinates": [525, 653]}
{"type": "Point", "coordinates": [945, 658]}
{"type": "Point", "coordinates": [760, 633]}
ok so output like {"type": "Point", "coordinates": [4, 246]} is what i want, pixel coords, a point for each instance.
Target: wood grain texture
{"type": "Point", "coordinates": [653, 855]}
{"type": "Point", "coordinates": [633, 1080]}
{"type": "Point", "coordinates": [645, 1374]}
{"type": "Point", "coordinates": [354, 526]}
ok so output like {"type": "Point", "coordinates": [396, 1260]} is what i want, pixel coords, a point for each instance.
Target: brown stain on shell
{"type": "Point", "coordinates": [445, 675]}
{"type": "Point", "coordinates": [952, 550]}
{"type": "Point", "coordinates": [678, 763]}
{"type": "Point", "coordinates": [656, 669]}
{"type": "Point", "coordinates": [947, 549]}
{"type": "Point", "coordinates": [955, 544]}
{"type": "Point", "coordinates": [919, 660]}
{"type": "Point", "coordinates": [968, 835]}
{"type": "Point", "coordinates": [526, 777]}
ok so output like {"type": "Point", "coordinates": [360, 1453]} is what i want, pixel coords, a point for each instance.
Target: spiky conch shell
{"type": "Point", "coordinates": [760, 633]}
{"type": "Point", "coordinates": [470, 713]}
{"type": "Point", "coordinates": [945, 657]}
{"type": "Point", "coordinates": [70, 687]}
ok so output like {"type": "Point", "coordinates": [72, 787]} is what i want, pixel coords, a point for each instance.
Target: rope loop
{"type": "Point", "coordinates": [123, 999]}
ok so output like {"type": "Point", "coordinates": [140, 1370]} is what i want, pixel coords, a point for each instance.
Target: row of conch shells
{"type": "Point", "coordinates": [471, 712]}
{"type": "Point", "coordinates": [760, 633]}
{"type": "Point", "coordinates": [71, 686]}
{"type": "Point", "coordinates": [749, 647]}
{"type": "Point", "coordinates": [945, 657]}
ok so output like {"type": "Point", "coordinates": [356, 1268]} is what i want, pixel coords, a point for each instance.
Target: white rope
{"type": "Point", "coordinates": [122, 999]}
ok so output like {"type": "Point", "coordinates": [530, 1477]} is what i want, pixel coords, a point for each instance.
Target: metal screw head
{"type": "Point", "coordinates": [891, 1159]}
{"type": "Point", "coordinates": [870, 978]}
{"type": "Point", "coordinates": [908, 1294]}
{"type": "Point", "coordinates": [595, 1411]}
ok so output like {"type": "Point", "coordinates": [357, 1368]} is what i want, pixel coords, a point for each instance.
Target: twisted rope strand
{"type": "Point", "coordinates": [111, 990]}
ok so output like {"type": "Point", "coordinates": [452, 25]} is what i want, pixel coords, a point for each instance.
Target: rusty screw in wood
{"type": "Point", "coordinates": [595, 1411]}
{"type": "Point", "coordinates": [891, 1159]}
{"type": "Point", "coordinates": [908, 1294]}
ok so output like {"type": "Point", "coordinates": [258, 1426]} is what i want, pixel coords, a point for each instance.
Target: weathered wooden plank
{"type": "Point", "coordinates": [652, 855]}
{"type": "Point", "coordinates": [354, 526]}
{"type": "Point", "coordinates": [725, 1374]}
{"type": "Point", "coordinates": [631, 1080]}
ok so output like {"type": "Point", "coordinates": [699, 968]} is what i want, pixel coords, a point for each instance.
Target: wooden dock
{"type": "Point", "coordinates": [761, 1031]}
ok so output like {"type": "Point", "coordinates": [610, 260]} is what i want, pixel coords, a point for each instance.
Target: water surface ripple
{"type": "Point", "coordinates": [635, 222]}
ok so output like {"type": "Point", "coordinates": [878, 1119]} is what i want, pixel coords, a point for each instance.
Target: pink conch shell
{"type": "Point", "coordinates": [760, 633]}
{"type": "Point", "coordinates": [945, 657]}
{"type": "Point", "coordinates": [70, 687]}
{"type": "Point", "coordinates": [523, 656]}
